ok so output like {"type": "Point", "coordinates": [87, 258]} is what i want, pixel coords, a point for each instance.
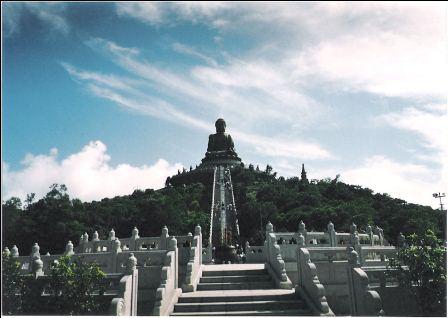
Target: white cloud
{"type": "Point", "coordinates": [185, 49]}
{"type": "Point", "coordinates": [411, 182]}
{"type": "Point", "coordinates": [430, 122]}
{"type": "Point", "coordinates": [148, 12]}
{"type": "Point", "coordinates": [159, 13]}
{"type": "Point", "coordinates": [385, 64]}
{"type": "Point", "coordinates": [87, 174]}
{"type": "Point", "coordinates": [391, 49]}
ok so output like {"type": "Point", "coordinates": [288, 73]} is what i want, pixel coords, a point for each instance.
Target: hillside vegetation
{"type": "Point", "coordinates": [260, 197]}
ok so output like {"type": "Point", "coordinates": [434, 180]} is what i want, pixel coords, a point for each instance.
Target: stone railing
{"type": "Point", "coordinates": [274, 261]}
{"type": "Point", "coordinates": [254, 254]}
{"type": "Point", "coordinates": [309, 286]}
{"type": "Point", "coordinates": [368, 255]}
{"type": "Point", "coordinates": [168, 292]}
{"type": "Point", "coordinates": [331, 238]}
{"type": "Point", "coordinates": [133, 243]}
{"type": "Point", "coordinates": [192, 265]}
{"type": "Point", "coordinates": [126, 302]}
{"type": "Point", "coordinates": [363, 300]}
{"type": "Point", "coordinates": [289, 241]}
{"type": "Point", "coordinates": [110, 262]}
{"type": "Point", "coordinates": [375, 255]}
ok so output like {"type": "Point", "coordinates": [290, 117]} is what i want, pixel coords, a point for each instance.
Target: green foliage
{"type": "Point", "coordinates": [72, 288]}
{"type": "Point", "coordinates": [425, 271]}
{"type": "Point", "coordinates": [11, 285]}
{"type": "Point", "coordinates": [260, 197]}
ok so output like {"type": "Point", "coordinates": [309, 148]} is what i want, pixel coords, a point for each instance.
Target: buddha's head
{"type": "Point", "coordinates": [220, 125]}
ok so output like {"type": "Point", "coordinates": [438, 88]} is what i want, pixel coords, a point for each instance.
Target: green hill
{"type": "Point", "coordinates": [260, 196]}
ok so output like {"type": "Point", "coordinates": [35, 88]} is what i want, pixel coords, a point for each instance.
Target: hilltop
{"type": "Point", "coordinates": [260, 197]}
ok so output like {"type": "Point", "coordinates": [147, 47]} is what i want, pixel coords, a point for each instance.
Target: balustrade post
{"type": "Point", "coordinates": [353, 262]}
{"type": "Point", "coordinates": [36, 267]}
{"type": "Point", "coordinates": [14, 251]}
{"type": "Point", "coordinates": [134, 237]}
{"type": "Point", "coordinates": [95, 241]}
{"type": "Point", "coordinates": [131, 264]}
{"type": "Point", "coordinates": [164, 239]}
{"type": "Point", "coordinates": [35, 251]}
{"type": "Point", "coordinates": [172, 246]}
{"type": "Point", "coordinates": [369, 232]}
{"type": "Point", "coordinates": [301, 241]}
{"type": "Point", "coordinates": [332, 234]}
{"type": "Point", "coordinates": [116, 249]}
{"type": "Point", "coordinates": [85, 243]}
{"type": "Point", "coordinates": [198, 243]}
{"type": "Point", "coordinates": [381, 236]}
{"type": "Point", "coordinates": [302, 230]}
{"type": "Point", "coordinates": [69, 249]}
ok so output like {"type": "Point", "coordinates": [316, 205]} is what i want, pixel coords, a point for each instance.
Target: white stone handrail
{"type": "Point", "coordinates": [194, 266]}
{"type": "Point", "coordinates": [329, 254]}
{"type": "Point", "coordinates": [132, 243]}
{"type": "Point", "coordinates": [309, 286]}
{"type": "Point", "coordinates": [363, 301]}
{"type": "Point", "coordinates": [275, 263]}
{"type": "Point", "coordinates": [126, 302]}
{"type": "Point", "coordinates": [332, 238]}
{"type": "Point", "coordinates": [168, 292]}
{"type": "Point", "coordinates": [375, 255]}
{"type": "Point", "coordinates": [254, 254]}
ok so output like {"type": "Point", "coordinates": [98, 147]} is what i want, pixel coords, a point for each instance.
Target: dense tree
{"type": "Point", "coordinates": [72, 288]}
{"type": "Point", "coordinates": [260, 197]}
{"type": "Point", "coordinates": [425, 273]}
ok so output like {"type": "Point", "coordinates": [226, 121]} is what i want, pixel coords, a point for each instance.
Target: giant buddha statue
{"type": "Point", "coordinates": [220, 149]}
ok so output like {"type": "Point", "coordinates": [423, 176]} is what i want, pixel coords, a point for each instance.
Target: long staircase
{"type": "Point", "coordinates": [239, 290]}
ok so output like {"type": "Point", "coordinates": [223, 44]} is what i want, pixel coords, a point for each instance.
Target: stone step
{"type": "Point", "coordinates": [229, 286]}
{"type": "Point", "coordinates": [235, 279]}
{"type": "Point", "coordinates": [261, 305]}
{"type": "Point", "coordinates": [280, 312]}
{"type": "Point", "coordinates": [237, 272]}
{"type": "Point", "coordinates": [189, 298]}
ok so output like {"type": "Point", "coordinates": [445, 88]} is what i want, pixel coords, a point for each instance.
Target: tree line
{"type": "Point", "coordinates": [260, 197]}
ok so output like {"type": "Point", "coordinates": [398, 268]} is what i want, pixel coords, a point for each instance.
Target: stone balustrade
{"type": "Point", "coordinates": [126, 302]}
{"type": "Point", "coordinates": [309, 287]}
{"type": "Point", "coordinates": [363, 300]}
{"type": "Point", "coordinates": [274, 262]}
{"type": "Point", "coordinates": [133, 243]}
{"type": "Point", "coordinates": [168, 292]}
{"type": "Point", "coordinates": [192, 268]}
{"type": "Point", "coordinates": [330, 238]}
{"type": "Point", "coordinates": [254, 254]}
{"type": "Point", "coordinates": [158, 261]}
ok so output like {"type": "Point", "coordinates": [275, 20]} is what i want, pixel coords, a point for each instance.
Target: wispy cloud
{"type": "Point", "coordinates": [185, 49]}
{"type": "Point", "coordinates": [388, 49]}
{"type": "Point", "coordinates": [51, 14]}
{"type": "Point", "coordinates": [87, 174]}
{"type": "Point", "coordinates": [430, 123]}
{"type": "Point", "coordinates": [195, 99]}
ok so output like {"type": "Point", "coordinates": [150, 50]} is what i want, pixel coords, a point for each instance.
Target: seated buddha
{"type": "Point", "coordinates": [220, 144]}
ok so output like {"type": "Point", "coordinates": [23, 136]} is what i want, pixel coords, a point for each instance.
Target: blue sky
{"type": "Point", "coordinates": [110, 97]}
